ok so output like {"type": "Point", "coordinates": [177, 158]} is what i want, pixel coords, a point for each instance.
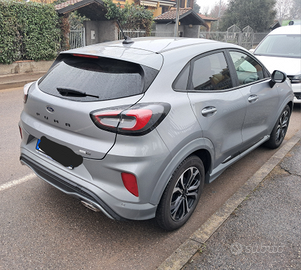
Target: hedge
{"type": "Point", "coordinates": [28, 31]}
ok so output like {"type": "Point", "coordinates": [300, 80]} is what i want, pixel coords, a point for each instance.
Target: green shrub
{"type": "Point", "coordinates": [129, 16]}
{"type": "Point", "coordinates": [28, 31]}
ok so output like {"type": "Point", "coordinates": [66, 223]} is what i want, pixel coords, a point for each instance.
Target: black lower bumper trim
{"type": "Point", "coordinates": [66, 185]}
{"type": "Point", "coordinates": [298, 95]}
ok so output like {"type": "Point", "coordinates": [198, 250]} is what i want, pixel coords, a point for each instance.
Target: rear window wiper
{"type": "Point", "coordinates": [73, 93]}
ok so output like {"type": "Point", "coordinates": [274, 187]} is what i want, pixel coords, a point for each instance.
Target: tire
{"type": "Point", "coordinates": [280, 129]}
{"type": "Point", "coordinates": [181, 194]}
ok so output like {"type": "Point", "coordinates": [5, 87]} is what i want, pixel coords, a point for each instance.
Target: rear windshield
{"type": "Point", "coordinates": [88, 79]}
{"type": "Point", "coordinates": [280, 45]}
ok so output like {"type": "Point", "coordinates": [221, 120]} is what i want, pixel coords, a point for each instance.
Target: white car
{"type": "Point", "coordinates": [281, 50]}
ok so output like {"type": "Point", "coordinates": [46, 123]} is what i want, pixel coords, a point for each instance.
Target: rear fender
{"type": "Point", "coordinates": [187, 150]}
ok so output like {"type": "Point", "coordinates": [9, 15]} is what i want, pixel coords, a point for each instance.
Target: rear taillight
{"type": "Point", "coordinates": [21, 134]}
{"type": "Point", "coordinates": [26, 91]}
{"type": "Point", "coordinates": [136, 120]}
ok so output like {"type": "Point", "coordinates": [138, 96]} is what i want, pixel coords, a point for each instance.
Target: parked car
{"type": "Point", "coordinates": [281, 50]}
{"type": "Point", "coordinates": [135, 129]}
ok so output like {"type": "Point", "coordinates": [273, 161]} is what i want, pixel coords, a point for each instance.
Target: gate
{"type": "Point", "coordinates": [77, 38]}
{"type": "Point", "coordinates": [247, 37]}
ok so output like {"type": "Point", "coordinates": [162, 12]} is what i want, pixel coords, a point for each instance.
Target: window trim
{"type": "Point", "coordinates": [232, 71]}
{"type": "Point", "coordinates": [189, 79]}
{"type": "Point", "coordinates": [266, 73]}
{"type": "Point", "coordinates": [188, 65]}
{"type": "Point", "coordinates": [189, 84]}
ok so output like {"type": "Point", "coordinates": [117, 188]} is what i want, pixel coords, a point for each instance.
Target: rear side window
{"type": "Point", "coordinates": [211, 73]}
{"type": "Point", "coordinates": [100, 78]}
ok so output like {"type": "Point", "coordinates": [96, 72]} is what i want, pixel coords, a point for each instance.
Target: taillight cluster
{"type": "Point", "coordinates": [133, 120]}
{"type": "Point", "coordinates": [26, 91]}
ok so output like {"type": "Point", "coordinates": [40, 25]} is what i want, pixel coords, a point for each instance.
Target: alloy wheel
{"type": "Point", "coordinates": [282, 126]}
{"type": "Point", "coordinates": [185, 193]}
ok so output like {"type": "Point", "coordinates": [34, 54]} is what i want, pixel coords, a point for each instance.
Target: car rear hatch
{"type": "Point", "coordinates": [59, 105]}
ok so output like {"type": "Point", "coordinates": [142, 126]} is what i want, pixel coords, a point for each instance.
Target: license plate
{"type": "Point", "coordinates": [59, 153]}
{"type": "Point", "coordinates": [40, 150]}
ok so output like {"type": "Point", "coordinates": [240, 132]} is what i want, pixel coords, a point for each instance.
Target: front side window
{"type": "Point", "coordinates": [211, 73]}
{"type": "Point", "coordinates": [248, 70]}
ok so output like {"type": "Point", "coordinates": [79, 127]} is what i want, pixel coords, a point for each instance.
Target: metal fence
{"type": "Point", "coordinates": [245, 37]}
{"type": "Point", "coordinates": [77, 38]}
{"type": "Point", "coordinates": [134, 34]}
{"type": "Point", "coordinates": [246, 40]}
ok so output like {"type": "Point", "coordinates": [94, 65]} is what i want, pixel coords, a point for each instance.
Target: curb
{"type": "Point", "coordinates": [196, 241]}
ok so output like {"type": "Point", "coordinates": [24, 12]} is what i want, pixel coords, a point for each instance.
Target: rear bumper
{"type": "Point", "coordinates": [69, 187]}
{"type": "Point", "coordinates": [88, 192]}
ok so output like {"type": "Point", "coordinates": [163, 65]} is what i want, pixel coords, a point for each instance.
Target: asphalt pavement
{"type": "Point", "coordinates": [264, 230]}
{"type": "Point", "coordinates": [257, 228]}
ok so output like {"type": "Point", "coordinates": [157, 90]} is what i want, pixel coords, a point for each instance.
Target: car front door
{"type": "Point", "coordinates": [219, 108]}
{"type": "Point", "coordinates": [261, 100]}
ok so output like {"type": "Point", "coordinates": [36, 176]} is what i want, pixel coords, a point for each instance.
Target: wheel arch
{"type": "Point", "coordinates": [205, 156]}
{"type": "Point", "coordinates": [291, 105]}
{"type": "Point", "coordinates": [202, 148]}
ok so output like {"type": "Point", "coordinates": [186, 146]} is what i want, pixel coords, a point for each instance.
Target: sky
{"type": "Point", "coordinates": [208, 4]}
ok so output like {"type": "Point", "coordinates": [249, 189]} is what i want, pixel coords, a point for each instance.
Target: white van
{"type": "Point", "coordinates": [281, 50]}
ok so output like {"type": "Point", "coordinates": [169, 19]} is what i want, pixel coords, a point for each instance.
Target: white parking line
{"type": "Point", "coordinates": [17, 182]}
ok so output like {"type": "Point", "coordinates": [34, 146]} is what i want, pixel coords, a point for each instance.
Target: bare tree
{"type": "Point", "coordinates": [295, 11]}
{"type": "Point", "coordinates": [283, 8]}
{"type": "Point", "coordinates": [218, 10]}
{"type": "Point", "coordinates": [204, 10]}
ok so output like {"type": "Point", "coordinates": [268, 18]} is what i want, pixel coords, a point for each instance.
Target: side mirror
{"type": "Point", "coordinates": [277, 77]}
{"type": "Point", "coordinates": [251, 51]}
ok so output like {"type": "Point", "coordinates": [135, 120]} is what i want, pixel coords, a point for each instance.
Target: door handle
{"type": "Point", "coordinates": [253, 98]}
{"type": "Point", "coordinates": [208, 111]}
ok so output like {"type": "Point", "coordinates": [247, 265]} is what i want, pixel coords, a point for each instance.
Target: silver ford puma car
{"type": "Point", "coordinates": [135, 129]}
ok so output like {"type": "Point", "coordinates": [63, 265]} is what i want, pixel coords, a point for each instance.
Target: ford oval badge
{"type": "Point", "coordinates": [50, 109]}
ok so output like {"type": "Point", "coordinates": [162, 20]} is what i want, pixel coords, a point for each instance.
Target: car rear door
{"type": "Point", "coordinates": [219, 108]}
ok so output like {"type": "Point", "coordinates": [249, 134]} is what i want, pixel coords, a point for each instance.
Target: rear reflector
{"type": "Point", "coordinates": [130, 183]}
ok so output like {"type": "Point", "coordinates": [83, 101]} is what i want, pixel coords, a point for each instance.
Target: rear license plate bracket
{"type": "Point", "coordinates": [59, 153]}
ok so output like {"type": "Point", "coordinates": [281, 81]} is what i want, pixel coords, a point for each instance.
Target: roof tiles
{"type": "Point", "coordinates": [171, 14]}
